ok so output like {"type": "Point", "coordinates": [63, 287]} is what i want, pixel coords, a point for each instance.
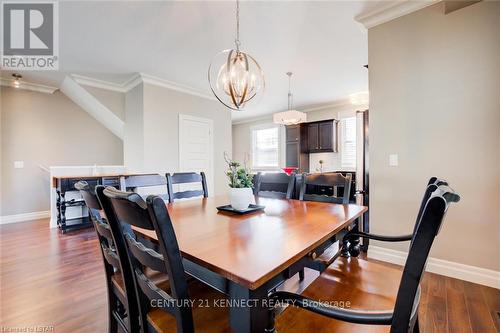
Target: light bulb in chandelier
{"type": "Point", "coordinates": [235, 78]}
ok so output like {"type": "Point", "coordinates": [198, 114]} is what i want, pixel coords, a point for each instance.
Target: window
{"type": "Point", "coordinates": [348, 142]}
{"type": "Point", "coordinates": [265, 148]}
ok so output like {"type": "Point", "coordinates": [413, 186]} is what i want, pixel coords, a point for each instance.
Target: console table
{"type": "Point", "coordinates": [63, 184]}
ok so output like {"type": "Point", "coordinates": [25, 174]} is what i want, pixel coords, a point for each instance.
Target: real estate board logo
{"type": "Point", "coordinates": [29, 35]}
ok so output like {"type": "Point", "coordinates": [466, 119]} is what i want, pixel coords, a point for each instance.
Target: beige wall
{"type": "Point", "coordinates": [113, 100]}
{"type": "Point", "coordinates": [435, 100]}
{"type": "Point", "coordinates": [46, 129]}
{"type": "Point", "coordinates": [158, 132]}
{"type": "Point", "coordinates": [133, 136]}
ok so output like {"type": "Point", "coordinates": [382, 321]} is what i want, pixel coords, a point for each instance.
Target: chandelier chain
{"type": "Point", "coordinates": [290, 96]}
{"type": "Point", "coordinates": [237, 40]}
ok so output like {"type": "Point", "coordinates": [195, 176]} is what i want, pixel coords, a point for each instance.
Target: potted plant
{"type": "Point", "coordinates": [240, 183]}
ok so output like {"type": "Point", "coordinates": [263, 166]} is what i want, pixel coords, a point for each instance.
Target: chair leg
{"type": "Point", "coordinates": [301, 275]}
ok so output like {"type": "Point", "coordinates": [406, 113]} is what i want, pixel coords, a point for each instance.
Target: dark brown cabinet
{"type": "Point", "coordinates": [292, 133]}
{"type": "Point", "coordinates": [322, 136]}
{"type": "Point", "coordinates": [296, 147]}
{"type": "Point", "coordinates": [292, 155]}
{"type": "Point", "coordinates": [312, 137]}
{"type": "Point", "coordinates": [326, 136]}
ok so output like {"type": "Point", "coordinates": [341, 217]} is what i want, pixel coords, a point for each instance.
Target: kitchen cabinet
{"type": "Point", "coordinates": [322, 136]}
{"type": "Point", "coordinates": [312, 137]}
{"type": "Point", "coordinates": [296, 155]}
{"type": "Point", "coordinates": [292, 133]}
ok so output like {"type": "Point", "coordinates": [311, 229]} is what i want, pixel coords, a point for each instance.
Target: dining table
{"type": "Point", "coordinates": [245, 256]}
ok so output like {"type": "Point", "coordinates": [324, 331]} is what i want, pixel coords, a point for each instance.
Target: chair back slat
{"type": "Point", "coordinates": [132, 182]}
{"type": "Point", "coordinates": [154, 294]}
{"type": "Point", "coordinates": [146, 256]}
{"type": "Point", "coordinates": [129, 209]}
{"type": "Point", "coordinates": [188, 194]}
{"type": "Point", "coordinates": [427, 227]}
{"type": "Point", "coordinates": [111, 257]}
{"type": "Point", "coordinates": [125, 209]}
{"type": "Point", "coordinates": [274, 185]}
{"type": "Point", "coordinates": [186, 178]}
{"type": "Point", "coordinates": [335, 180]}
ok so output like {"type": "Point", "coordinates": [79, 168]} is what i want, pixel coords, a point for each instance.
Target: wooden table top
{"type": "Point", "coordinates": [251, 249]}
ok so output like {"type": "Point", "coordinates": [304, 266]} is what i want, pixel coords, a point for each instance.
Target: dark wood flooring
{"type": "Point", "coordinates": [54, 280]}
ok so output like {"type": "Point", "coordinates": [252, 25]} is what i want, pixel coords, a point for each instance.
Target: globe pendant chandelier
{"type": "Point", "coordinates": [235, 77]}
{"type": "Point", "coordinates": [289, 117]}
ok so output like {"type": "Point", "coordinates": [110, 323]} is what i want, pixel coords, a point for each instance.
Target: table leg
{"type": "Point", "coordinates": [248, 313]}
{"type": "Point", "coordinates": [63, 212]}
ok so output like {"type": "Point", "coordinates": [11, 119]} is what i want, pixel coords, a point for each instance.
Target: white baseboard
{"type": "Point", "coordinates": [473, 274]}
{"type": "Point", "coordinates": [24, 217]}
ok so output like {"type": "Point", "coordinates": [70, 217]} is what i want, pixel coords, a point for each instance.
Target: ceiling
{"type": "Point", "coordinates": [319, 41]}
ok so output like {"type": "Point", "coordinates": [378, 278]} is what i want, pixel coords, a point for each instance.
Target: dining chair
{"type": "Point", "coordinates": [186, 178]}
{"type": "Point", "coordinates": [321, 258]}
{"type": "Point", "coordinates": [136, 182]}
{"type": "Point", "coordinates": [274, 185]}
{"type": "Point", "coordinates": [334, 180]}
{"type": "Point", "coordinates": [367, 283]}
{"type": "Point", "coordinates": [351, 239]}
{"type": "Point", "coordinates": [171, 304]}
{"type": "Point", "coordinates": [118, 305]}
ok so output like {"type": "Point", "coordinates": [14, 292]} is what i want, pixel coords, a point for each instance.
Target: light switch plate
{"type": "Point", "coordinates": [393, 160]}
{"type": "Point", "coordinates": [18, 164]}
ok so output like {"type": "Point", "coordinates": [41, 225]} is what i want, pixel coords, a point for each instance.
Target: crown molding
{"type": "Point", "coordinates": [392, 11]}
{"type": "Point", "coordinates": [150, 79]}
{"type": "Point", "coordinates": [107, 85]}
{"type": "Point", "coordinates": [28, 86]}
{"type": "Point", "coordinates": [336, 104]}
{"type": "Point", "coordinates": [137, 79]}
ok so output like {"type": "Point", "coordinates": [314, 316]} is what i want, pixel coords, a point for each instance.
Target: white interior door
{"type": "Point", "coordinates": [196, 148]}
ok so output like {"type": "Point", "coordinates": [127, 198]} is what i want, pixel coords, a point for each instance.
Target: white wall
{"type": "Point", "coordinates": [435, 101]}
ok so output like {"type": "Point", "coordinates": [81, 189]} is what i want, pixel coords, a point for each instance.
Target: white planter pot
{"type": "Point", "coordinates": [240, 198]}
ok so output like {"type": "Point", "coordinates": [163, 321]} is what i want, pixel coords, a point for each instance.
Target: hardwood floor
{"type": "Point", "coordinates": [54, 280]}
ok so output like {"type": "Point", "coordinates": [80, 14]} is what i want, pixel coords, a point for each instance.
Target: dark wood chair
{"type": "Point", "coordinates": [366, 283]}
{"type": "Point", "coordinates": [164, 306]}
{"type": "Point", "coordinates": [325, 256]}
{"type": "Point", "coordinates": [135, 182]}
{"type": "Point", "coordinates": [118, 306]}
{"type": "Point", "coordinates": [351, 239]}
{"type": "Point", "coordinates": [186, 178]}
{"type": "Point", "coordinates": [274, 185]}
{"type": "Point", "coordinates": [335, 180]}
